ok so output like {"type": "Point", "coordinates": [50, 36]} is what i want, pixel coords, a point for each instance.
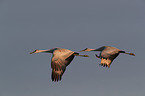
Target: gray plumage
{"type": "Point", "coordinates": [107, 54]}
{"type": "Point", "coordinates": [60, 60]}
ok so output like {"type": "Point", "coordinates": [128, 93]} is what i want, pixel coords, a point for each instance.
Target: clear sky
{"type": "Point", "coordinates": [26, 25]}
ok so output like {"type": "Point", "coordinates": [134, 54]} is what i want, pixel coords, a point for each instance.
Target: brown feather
{"type": "Point", "coordinates": [58, 67]}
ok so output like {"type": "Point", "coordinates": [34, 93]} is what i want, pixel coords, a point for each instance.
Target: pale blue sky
{"type": "Point", "coordinates": [26, 25]}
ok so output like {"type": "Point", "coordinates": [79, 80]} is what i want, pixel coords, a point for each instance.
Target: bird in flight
{"type": "Point", "coordinates": [61, 58]}
{"type": "Point", "coordinates": [107, 54]}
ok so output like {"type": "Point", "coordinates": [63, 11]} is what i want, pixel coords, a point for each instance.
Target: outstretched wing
{"type": "Point", "coordinates": [59, 64]}
{"type": "Point", "coordinates": [106, 61]}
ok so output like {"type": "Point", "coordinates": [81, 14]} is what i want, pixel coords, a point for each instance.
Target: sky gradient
{"type": "Point", "coordinates": [26, 25]}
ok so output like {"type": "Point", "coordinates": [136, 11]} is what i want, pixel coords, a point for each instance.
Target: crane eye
{"type": "Point", "coordinates": [36, 50]}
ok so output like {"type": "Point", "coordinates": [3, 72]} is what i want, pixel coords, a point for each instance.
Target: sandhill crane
{"type": "Point", "coordinates": [107, 54]}
{"type": "Point", "coordinates": [60, 60]}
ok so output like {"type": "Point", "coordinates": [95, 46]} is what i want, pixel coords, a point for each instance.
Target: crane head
{"type": "Point", "coordinates": [87, 49]}
{"type": "Point", "coordinates": [36, 51]}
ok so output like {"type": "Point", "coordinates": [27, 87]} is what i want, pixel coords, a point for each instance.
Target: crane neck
{"type": "Point", "coordinates": [100, 49]}
{"type": "Point", "coordinates": [45, 51]}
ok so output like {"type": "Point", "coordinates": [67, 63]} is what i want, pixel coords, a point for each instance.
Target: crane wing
{"type": "Point", "coordinates": [58, 65]}
{"type": "Point", "coordinates": [106, 61]}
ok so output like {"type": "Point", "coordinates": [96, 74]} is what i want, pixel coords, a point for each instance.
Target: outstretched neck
{"type": "Point", "coordinates": [100, 49]}
{"type": "Point", "coordinates": [91, 49]}
{"type": "Point", "coordinates": [44, 51]}
{"type": "Point", "coordinates": [88, 49]}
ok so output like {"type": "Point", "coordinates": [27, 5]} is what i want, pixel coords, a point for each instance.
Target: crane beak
{"type": "Point", "coordinates": [33, 51]}
{"type": "Point", "coordinates": [84, 50]}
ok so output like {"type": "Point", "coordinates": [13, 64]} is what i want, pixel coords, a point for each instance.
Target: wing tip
{"type": "Point", "coordinates": [104, 65]}
{"type": "Point", "coordinates": [55, 77]}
